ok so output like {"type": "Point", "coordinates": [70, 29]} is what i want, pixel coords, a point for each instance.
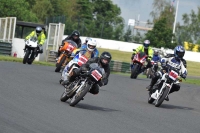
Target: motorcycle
{"type": "Point", "coordinates": [138, 62]}
{"type": "Point", "coordinates": [65, 56]}
{"type": "Point", "coordinates": [77, 61]}
{"type": "Point", "coordinates": [163, 86]}
{"type": "Point", "coordinates": [82, 84]}
{"type": "Point", "coordinates": [31, 51]}
{"type": "Point", "coordinates": [152, 70]}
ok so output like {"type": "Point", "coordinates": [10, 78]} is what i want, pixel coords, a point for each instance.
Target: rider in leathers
{"type": "Point", "coordinates": [74, 37]}
{"type": "Point", "coordinates": [103, 61]}
{"type": "Point", "coordinates": [147, 50]}
{"type": "Point", "coordinates": [172, 62]}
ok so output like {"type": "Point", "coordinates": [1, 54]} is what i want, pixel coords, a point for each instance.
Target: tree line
{"type": "Point", "coordinates": [101, 19]}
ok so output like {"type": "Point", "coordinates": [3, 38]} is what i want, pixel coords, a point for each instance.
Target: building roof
{"type": "Point", "coordinates": [29, 24]}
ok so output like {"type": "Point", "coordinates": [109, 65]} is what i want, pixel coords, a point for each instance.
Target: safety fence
{"type": "Point", "coordinates": [115, 66]}
{"type": "Point", "coordinates": [5, 48]}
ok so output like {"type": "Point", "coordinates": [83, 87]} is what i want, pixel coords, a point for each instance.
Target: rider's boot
{"type": "Point", "coordinates": [149, 88]}
{"type": "Point", "coordinates": [167, 98]}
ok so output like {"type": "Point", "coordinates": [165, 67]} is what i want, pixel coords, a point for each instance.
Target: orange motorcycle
{"type": "Point", "coordinates": [64, 58]}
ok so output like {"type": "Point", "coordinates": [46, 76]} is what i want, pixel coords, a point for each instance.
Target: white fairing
{"type": "Point", "coordinates": [64, 75]}
{"type": "Point", "coordinates": [181, 67]}
{"type": "Point", "coordinates": [31, 43]}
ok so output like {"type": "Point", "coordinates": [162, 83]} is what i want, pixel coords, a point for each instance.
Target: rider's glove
{"type": "Point", "coordinates": [132, 56]}
{"type": "Point", "coordinates": [40, 48]}
{"type": "Point", "coordinates": [183, 76]}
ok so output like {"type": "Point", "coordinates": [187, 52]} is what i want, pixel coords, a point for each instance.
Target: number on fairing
{"type": "Point", "coordinates": [96, 75]}
{"type": "Point", "coordinates": [82, 60]}
{"type": "Point", "coordinates": [70, 47]}
{"type": "Point", "coordinates": [173, 75]}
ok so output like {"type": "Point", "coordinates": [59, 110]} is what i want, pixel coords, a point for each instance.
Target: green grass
{"type": "Point", "coordinates": [187, 81]}
{"type": "Point", "coordinates": [192, 67]}
{"type": "Point", "coordinates": [13, 59]}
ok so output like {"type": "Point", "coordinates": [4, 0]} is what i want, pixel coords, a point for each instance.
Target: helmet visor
{"type": "Point", "coordinates": [91, 47]}
{"type": "Point", "coordinates": [146, 45]}
{"type": "Point", "coordinates": [105, 61]}
{"type": "Point", "coordinates": [180, 54]}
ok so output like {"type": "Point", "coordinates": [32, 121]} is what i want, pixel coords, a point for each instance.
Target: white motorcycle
{"type": "Point", "coordinates": [163, 86]}
{"type": "Point", "coordinates": [75, 63]}
{"type": "Point", "coordinates": [31, 51]}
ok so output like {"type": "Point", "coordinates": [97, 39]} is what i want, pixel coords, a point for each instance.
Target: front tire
{"type": "Point", "coordinates": [26, 57]}
{"type": "Point", "coordinates": [162, 97]}
{"type": "Point", "coordinates": [59, 65]}
{"type": "Point", "coordinates": [79, 96]}
{"type": "Point", "coordinates": [134, 72]}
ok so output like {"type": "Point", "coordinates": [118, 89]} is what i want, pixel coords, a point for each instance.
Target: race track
{"type": "Point", "coordinates": [30, 103]}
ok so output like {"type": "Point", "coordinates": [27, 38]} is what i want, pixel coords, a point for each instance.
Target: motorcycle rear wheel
{"type": "Point", "coordinates": [150, 99]}
{"type": "Point", "coordinates": [64, 97]}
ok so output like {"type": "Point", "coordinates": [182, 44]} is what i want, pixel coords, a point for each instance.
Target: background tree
{"type": "Point", "coordinates": [42, 9]}
{"type": "Point", "coordinates": [138, 38]}
{"type": "Point", "coordinates": [127, 35]}
{"type": "Point", "coordinates": [190, 30]}
{"type": "Point", "coordinates": [161, 35]}
{"type": "Point", "coordinates": [17, 8]}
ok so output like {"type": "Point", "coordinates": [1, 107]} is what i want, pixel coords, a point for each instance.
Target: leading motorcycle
{"type": "Point", "coordinates": [82, 84]}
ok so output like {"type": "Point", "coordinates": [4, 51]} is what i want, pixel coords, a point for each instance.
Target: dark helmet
{"type": "Point", "coordinates": [75, 34]}
{"type": "Point", "coordinates": [38, 30]}
{"type": "Point", "coordinates": [105, 56]}
{"type": "Point", "coordinates": [146, 44]}
{"type": "Point", "coordinates": [179, 52]}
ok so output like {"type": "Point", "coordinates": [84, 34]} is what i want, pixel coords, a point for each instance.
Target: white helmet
{"type": "Point", "coordinates": [91, 45]}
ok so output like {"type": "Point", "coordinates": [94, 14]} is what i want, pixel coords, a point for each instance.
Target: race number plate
{"type": "Point", "coordinates": [173, 75]}
{"type": "Point", "coordinates": [70, 47]}
{"type": "Point", "coordinates": [96, 75]}
{"type": "Point", "coordinates": [82, 60]}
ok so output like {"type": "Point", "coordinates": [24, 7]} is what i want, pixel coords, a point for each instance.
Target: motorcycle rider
{"type": "Point", "coordinates": [39, 34]}
{"type": "Point", "coordinates": [103, 62]}
{"type": "Point", "coordinates": [88, 52]}
{"type": "Point", "coordinates": [75, 36]}
{"type": "Point", "coordinates": [172, 62]}
{"type": "Point", "coordinates": [156, 56]}
{"type": "Point", "coordinates": [84, 47]}
{"type": "Point", "coordinates": [147, 50]}
{"type": "Point", "coordinates": [86, 40]}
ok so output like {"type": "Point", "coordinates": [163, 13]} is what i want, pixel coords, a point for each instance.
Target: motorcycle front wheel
{"type": "Point", "coordinates": [160, 100]}
{"type": "Point", "coordinates": [25, 59]}
{"type": "Point", "coordinates": [134, 72]}
{"type": "Point", "coordinates": [79, 95]}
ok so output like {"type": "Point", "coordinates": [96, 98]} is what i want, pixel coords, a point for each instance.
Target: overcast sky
{"type": "Point", "coordinates": [131, 8]}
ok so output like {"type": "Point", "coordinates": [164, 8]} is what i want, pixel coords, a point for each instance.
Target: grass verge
{"type": "Point", "coordinates": [13, 59]}
{"type": "Point", "coordinates": [187, 81]}
{"type": "Point", "coordinates": [192, 67]}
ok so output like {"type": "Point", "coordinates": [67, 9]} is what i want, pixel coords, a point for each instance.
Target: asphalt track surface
{"type": "Point", "coordinates": [30, 103]}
